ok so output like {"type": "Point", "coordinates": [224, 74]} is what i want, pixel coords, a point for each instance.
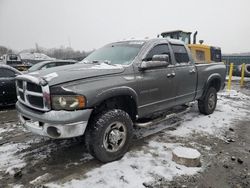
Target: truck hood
{"type": "Point", "coordinates": [67, 73]}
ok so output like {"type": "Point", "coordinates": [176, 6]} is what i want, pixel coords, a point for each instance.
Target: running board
{"type": "Point", "coordinates": [167, 124]}
{"type": "Point", "coordinates": [160, 120]}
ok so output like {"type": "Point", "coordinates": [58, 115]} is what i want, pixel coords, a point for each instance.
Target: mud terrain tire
{"type": "Point", "coordinates": [208, 104]}
{"type": "Point", "coordinates": [109, 135]}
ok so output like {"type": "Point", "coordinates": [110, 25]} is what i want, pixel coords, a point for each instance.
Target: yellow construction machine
{"type": "Point", "coordinates": [201, 53]}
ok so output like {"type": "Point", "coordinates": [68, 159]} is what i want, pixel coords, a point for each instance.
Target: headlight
{"type": "Point", "coordinates": [68, 102]}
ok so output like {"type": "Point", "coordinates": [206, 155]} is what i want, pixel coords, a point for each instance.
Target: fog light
{"type": "Point", "coordinates": [53, 132]}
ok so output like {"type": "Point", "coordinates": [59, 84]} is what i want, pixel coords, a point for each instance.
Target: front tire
{"type": "Point", "coordinates": [109, 134]}
{"type": "Point", "coordinates": [208, 104]}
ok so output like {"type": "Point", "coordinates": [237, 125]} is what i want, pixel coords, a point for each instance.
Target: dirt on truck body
{"type": "Point", "coordinates": [115, 88]}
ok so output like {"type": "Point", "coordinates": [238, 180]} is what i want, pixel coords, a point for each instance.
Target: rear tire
{"type": "Point", "coordinates": [109, 135]}
{"type": "Point", "coordinates": [207, 105]}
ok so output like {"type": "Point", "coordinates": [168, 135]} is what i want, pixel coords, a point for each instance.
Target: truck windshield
{"type": "Point", "coordinates": [120, 53]}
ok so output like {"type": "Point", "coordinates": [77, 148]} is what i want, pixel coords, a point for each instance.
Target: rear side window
{"type": "Point", "coordinates": [6, 73]}
{"type": "Point", "coordinates": [180, 54]}
{"type": "Point", "coordinates": [158, 50]}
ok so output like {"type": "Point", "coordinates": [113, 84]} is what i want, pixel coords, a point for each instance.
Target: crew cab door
{"type": "Point", "coordinates": [156, 87]}
{"type": "Point", "coordinates": [186, 75]}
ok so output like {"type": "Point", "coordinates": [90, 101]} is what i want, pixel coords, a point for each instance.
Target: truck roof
{"type": "Point", "coordinates": [171, 41]}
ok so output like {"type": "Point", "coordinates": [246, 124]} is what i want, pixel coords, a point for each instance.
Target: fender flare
{"type": "Point", "coordinates": [208, 82]}
{"type": "Point", "coordinates": [114, 92]}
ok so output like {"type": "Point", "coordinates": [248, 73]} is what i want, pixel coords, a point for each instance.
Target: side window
{"type": "Point", "coordinates": [6, 73]}
{"type": "Point", "coordinates": [158, 50]}
{"type": "Point", "coordinates": [200, 55]}
{"type": "Point", "coordinates": [180, 54]}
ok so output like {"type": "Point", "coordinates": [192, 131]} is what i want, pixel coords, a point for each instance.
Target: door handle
{"type": "Point", "coordinates": [191, 71]}
{"type": "Point", "coordinates": [171, 75]}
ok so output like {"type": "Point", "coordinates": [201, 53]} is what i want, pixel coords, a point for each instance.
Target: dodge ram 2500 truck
{"type": "Point", "coordinates": [112, 89]}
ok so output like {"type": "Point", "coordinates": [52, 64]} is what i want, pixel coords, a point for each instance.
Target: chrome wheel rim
{"type": "Point", "coordinates": [211, 101]}
{"type": "Point", "coordinates": [115, 136]}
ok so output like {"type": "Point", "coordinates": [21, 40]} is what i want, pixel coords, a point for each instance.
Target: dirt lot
{"type": "Point", "coordinates": [28, 160]}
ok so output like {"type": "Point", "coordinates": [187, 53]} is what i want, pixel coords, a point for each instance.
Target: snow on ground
{"type": "Point", "coordinates": [188, 153]}
{"type": "Point", "coordinates": [229, 107]}
{"type": "Point", "coordinates": [134, 168]}
{"type": "Point", "coordinates": [8, 128]}
{"type": "Point", "coordinates": [154, 160]}
{"type": "Point", "coordinates": [11, 157]}
{"type": "Point", "coordinates": [40, 179]}
{"type": "Point", "coordinates": [2, 130]}
{"type": "Point", "coordinates": [8, 160]}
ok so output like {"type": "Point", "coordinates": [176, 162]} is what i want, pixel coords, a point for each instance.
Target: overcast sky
{"type": "Point", "coordinates": [90, 24]}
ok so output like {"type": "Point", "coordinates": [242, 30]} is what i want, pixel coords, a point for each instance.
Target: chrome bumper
{"type": "Point", "coordinates": [54, 124]}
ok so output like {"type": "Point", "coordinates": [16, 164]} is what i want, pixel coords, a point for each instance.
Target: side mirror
{"type": "Point", "coordinates": [162, 57]}
{"type": "Point", "coordinates": [157, 61]}
{"type": "Point", "coordinates": [152, 64]}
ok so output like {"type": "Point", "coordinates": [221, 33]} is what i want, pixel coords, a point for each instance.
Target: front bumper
{"type": "Point", "coordinates": [54, 124]}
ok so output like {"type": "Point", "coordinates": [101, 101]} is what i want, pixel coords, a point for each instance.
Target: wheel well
{"type": "Point", "coordinates": [123, 102]}
{"type": "Point", "coordinates": [216, 83]}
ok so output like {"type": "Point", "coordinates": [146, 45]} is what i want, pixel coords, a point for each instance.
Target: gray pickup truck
{"type": "Point", "coordinates": [110, 91]}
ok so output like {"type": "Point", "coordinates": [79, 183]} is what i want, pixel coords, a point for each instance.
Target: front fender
{"type": "Point", "coordinates": [114, 92]}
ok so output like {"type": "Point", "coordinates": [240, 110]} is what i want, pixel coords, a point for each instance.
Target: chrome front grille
{"type": "Point", "coordinates": [32, 94]}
